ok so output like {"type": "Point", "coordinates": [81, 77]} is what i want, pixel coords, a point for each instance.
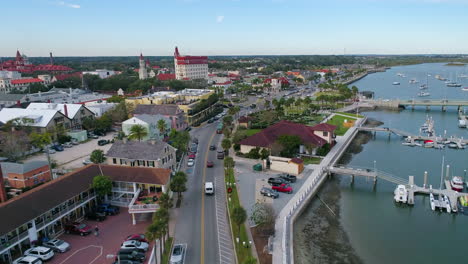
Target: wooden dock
{"type": "Point", "coordinates": [413, 136]}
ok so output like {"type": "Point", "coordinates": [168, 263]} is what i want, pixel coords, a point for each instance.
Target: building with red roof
{"type": "Point", "coordinates": [315, 136]}
{"type": "Point", "coordinates": [22, 64]}
{"type": "Point", "coordinates": [190, 67]}
{"type": "Point", "coordinates": [166, 76]}
{"type": "Point", "coordinates": [61, 77]}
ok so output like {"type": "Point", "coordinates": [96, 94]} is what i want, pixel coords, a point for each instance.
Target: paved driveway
{"type": "Point", "coordinates": [72, 158]}
{"type": "Point", "coordinates": [112, 232]}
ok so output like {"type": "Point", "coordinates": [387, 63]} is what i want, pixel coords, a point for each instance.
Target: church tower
{"type": "Point", "coordinates": [142, 72]}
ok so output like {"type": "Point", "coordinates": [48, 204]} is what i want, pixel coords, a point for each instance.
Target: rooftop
{"type": "Point", "coordinates": [138, 150]}
{"type": "Point", "coordinates": [35, 118]}
{"type": "Point", "coordinates": [166, 109]}
{"type": "Point", "coordinates": [11, 167]}
{"type": "Point", "coordinates": [47, 196]}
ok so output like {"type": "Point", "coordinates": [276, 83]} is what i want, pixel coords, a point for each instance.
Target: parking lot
{"type": "Point", "coordinates": [112, 232]}
{"type": "Point", "coordinates": [72, 158]}
{"type": "Point", "coordinates": [250, 182]}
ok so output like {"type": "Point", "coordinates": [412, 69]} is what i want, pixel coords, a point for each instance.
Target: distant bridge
{"type": "Point", "coordinates": [397, 103]}
{"type": "Point", "coordinates": [367, 172]}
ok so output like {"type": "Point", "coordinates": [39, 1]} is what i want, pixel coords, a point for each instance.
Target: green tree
{"type": "Point", "coordinates": [165, 201]}
{"type": "Point", "coordinates": [323, 150]}
{"type": "Point", "coordinates": [239, 215]}
{"type": "Point", "coordinates": [227, 132]}
{"type": "Point", "coordinates": [263, 215]}
{"type": "Point", "coordinates": [97, 156]}
{"type": "Point", "coordinates": [137, 132]}
{"type": "Point", "coordinates": [178, 183]}
{"type": "Point", "coordinates": [264, 153]}
{"type": "Point", "coordinates": [290, 145]}
{"type": "Point", "coordinates": [226, 145]}
{"type": "Point", "coordinates": [154, 232]}
{"type": "Point", "coordinates": [162, 127]}
{"type": "Point", "coordinates": [40, 140]}
{"type": "Point", "coordinates": [229, 163]}
{"type": "Point", "coordinates": [227, 120]}
{"type": "Point", "coordinates": [115, 99]}
{"type": "Point", "coordinates": [250, 260]}
{"type": "Point", "coordinates": [254, 153]}
{"type": "Point", "coordinates": [102, 185]}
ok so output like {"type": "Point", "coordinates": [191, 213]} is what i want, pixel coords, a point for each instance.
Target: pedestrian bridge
{"type": "Point", "coordinates": [366, 172]}
{"type": "Point", "coordinates": [397, 103]}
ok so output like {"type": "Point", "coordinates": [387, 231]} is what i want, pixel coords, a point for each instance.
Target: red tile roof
{"type": "Point", "coordinates": [269, 135]}
{"type": "Point", "coordinates": [61, 77]}
{"type": "Point", "coordinates": [324, 127]}
{"type": "Point", "coordinates": [25, 81]}
{"type": "Point", "coordinates": [297, 160]}
{"type": "Point", "coordinates": [166, 76]}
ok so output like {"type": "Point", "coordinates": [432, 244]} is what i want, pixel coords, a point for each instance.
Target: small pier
{"type": "Point", "coordinates": [412, 188]}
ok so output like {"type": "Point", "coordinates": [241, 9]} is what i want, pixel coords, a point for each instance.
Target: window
{"type": "Point", "coordinates": [325, 133]}
{"type": "Point", "coordinates": [114, 161]}
{"type": "Point", "coordinates": [151, 163]}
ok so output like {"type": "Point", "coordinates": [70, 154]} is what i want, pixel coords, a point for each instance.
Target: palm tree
{"type": "Point", "coordinates": [138, 132]}
{"type": "Point", "coordinates": [162, 127]}
{"type": "Point", "coordinates": [239, 215]}
{"type": "Point", "coordinates": [153, 232]}
{"type": "Point", "coordinates": [226, 145]}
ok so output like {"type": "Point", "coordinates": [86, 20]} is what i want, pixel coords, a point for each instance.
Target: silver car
{"type": "Point", "coordinates": [57, 245]}
{"type": "Point", "coordinates": [178, 254]}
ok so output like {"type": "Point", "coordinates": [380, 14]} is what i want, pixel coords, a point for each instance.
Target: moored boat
{"type": "Point", "coordinates": [457, 183]}
{"type": "Point", "coordinates": [401, 194]}
{"type": "Point", "coordinates": [396, 83]}
{"type": "Point", "coordinates": [463, 204]}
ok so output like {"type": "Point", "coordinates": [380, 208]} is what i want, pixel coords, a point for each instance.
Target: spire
{"type": "Point", "coordinates": [141, 56]}
{"type": "Point", "coordinates": [18, 55]}
{"type": "Point", "coordinates": [51, 59]}
{"type": "Point", "coordinates": [176, 53]}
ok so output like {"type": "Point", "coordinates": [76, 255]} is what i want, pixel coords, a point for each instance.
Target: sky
{"type": "Point", "coordinates": [233, 27]}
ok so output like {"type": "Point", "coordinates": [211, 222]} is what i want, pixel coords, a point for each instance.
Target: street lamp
{"type": "Point", "coordinates": [375, 166]}
{"type": "Point", "coordinates": [111, 256]}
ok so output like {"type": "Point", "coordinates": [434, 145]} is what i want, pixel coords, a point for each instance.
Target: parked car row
{"type": "Point", "coordinates": [132, 250]}
{"type": "Point", "coordinates": [281, 183]}
{"type": "Point", "coordinates": [44, 252]}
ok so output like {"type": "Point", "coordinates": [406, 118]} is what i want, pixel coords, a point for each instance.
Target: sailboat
{"type": "Point", "coordinates": [424, 87]}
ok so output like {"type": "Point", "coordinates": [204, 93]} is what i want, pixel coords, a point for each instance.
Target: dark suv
{"type": "Point", "coordinates": [108, 209]}
{"type": "Point", "coordinates": [131, 254]}
{"type": "Point", "coordinates": [276, 181]}
{"type": "Point", "coordinates": [288, 177]}
{"type": "Point", "coordinates": [95, 215]}
{"type": "Point", "coordinates": [220, 154]}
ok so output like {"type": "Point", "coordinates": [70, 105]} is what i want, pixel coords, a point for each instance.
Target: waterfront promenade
{"type": "Point", "coordinates": [283, 248]}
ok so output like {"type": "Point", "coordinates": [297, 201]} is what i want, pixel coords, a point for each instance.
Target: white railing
{"type": "Point", "coordinates": [143, 207]}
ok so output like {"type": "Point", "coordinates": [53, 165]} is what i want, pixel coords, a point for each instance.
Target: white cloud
{"type": "Point", "coordinates": [219, 19]}
{"type": "Point", "coordinates": [62, 3]}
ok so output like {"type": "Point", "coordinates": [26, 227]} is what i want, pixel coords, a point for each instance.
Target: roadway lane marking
{"type": "Point", "coordinates": [202, 248]}
{"type": "Point", "coordinates": [81, 249]}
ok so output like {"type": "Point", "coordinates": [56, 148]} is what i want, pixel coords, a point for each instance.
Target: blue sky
{"type": "Point", "coordinates": [233, 27]}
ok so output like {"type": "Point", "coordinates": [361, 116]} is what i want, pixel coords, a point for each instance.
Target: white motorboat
{"type": "Point", "coordinates": [396, 83]}
{"type": "Point", "coordinates": [432, 200]}
{"type": "Point", "coordinates": [412, 81]}
{"type": "Point", "coordinates": [423, 94]}
{"type": "Point", "coordinates": [465, 89]}
{"type": "Point", "coordinates": [453, 145]}
{"type": "Point", "coordinates": [401, 194]}
{"type": "Point", "coordinates": [457, 183]}
{"type": "Point", "coordinates": [462, 123]}
{"type": "Point", "coordinates": [447, 204]}
{"type": "Point", "coordinates": [454, 84]}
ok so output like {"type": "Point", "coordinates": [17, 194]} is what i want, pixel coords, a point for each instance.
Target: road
{"type": "Point", "coordinates": [197, 221]}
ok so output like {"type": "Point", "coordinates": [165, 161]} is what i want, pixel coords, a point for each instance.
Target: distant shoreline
{"type": "Point", "coordinates": [455, 64]}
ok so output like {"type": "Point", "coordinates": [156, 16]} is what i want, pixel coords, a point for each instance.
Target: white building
{"type": "Point", "coordinates": [142, 71]}
{"type": "Point", "coordinates": [99, 108]}
{"type": "Point", "coordinates": [10, 75]}
{"type": "Point", "coordinates": [190, 67]}
{"type": "Point", "coordinates": [102, 73]}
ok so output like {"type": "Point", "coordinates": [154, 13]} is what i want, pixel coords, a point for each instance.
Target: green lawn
{"type": "Point", "coordinates": [251, 132]}
{"type": "Point", "coordinates": [311, 160]}
{"type": "Point", "coordinates": [349, 114]}
{"type": "Point", "coordinates": [338, 121]}
{"type": "Point", "coordinates": [242, 252]}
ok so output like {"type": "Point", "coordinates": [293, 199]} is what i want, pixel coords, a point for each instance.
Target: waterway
{"type": "Point", "coordinates": [371, 228]}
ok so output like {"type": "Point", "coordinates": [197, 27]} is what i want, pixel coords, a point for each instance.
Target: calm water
{"type": "Point", "coordinates": [379, 230]}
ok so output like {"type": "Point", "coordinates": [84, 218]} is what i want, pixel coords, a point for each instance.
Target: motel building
{"type": "Point", "coordinates": [42, 212]}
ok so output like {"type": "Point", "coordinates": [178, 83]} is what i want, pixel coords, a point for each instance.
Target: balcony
{"type": "Point", "coordinates": [144, 203]}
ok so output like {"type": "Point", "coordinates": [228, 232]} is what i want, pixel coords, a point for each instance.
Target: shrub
{"type": "Point", "coordinates": [63, 139]}
{"type": "Point", "coordinates": [236, 147]}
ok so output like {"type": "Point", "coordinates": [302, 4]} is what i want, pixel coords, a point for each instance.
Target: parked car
{"type": "Point", "coordinates": [28, 260]}
{"type": "Point", "coordinates": [67, 145]}
{"type": "Point", "coordinates": [95, 215]}
{"type": "Point", "coordinates": [57, 147]}
{"type": "Point", "coordinates": [92, 135]}
{"type": "Point", "coordinates": [137, 237]}
{"type": "Point", "coordinates": [43, 253]}
{"type": "Point", "coordinates": [220, 154]}
{"type": "Point", "coordinates": [211, 120]}
{"type": "Point", "coordinates": [87, 161]}
{"type": "Point", "coordinates": [103, 142]}
{"type": "Point", "coordinates": [178, 254]}
{"type": "Point", "coordinates": [188, 129]}
{"type": "Point", "coordinates": [190, 162]}
{"type": "Point", "coordinates": [212, 147]}
{"type": "Point", "coordinates": [127, 261]}
{"type": "Point", "coordinates": [209, 164]}
{"type": "Point", "coordinates": [57, 245]}
{"type": "Point", "coordinates": [108, 209]}
{"type": "Point", "coordinates": [51, 151]}
{"type": "Point", "coordinates": [276, 181]}
{"type": "Point", "coordinates": [74, 141]}
{"type": "Point", "coordinates": [269, 192]}
{"type": "Point", "coordinates": [283, 188]}
{"type": "Point", "coordinates": [288, 177]}
{"type": "Point", "coordinates": [192, 156]}
{"type": "Point", "coordinates": [137, 245]}
{"type": "Point", "coordinates": [99, 133]}
{"type": "Point", "coordinates": [195, 140]}
{"type": "Point", "coordinates": [77, 228]}
{"type": "Point", "coordinates": [130, 254]}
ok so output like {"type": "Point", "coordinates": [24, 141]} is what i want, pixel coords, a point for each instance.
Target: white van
{"type": "Point", "coordinates": [209, 188]}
